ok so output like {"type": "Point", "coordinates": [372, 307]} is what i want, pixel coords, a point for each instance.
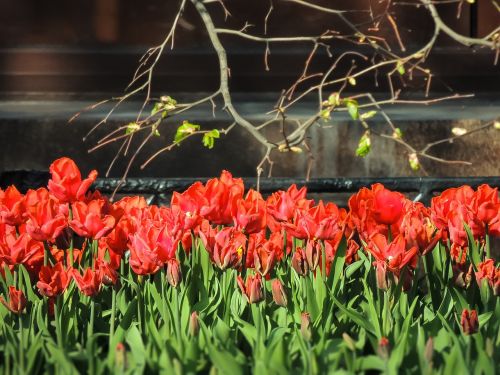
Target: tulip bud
{"type": "Point", "coordinates": [174, 274]}
{"type": "Point", "coordinates": [469, 322]}
{"type": "Point", "coordinates": [194, 324]}
{"type": "Point", "coordinates": [312, 254]}
{"type": "Point", "coordinates": [414, 162]}
{"type": "Point", "coordinates": [381, 276]}
{"type": "Point", "coordinates": [299, 263]}
{"type": "Point", "coordinates": [461, 276]}
{"type": "Point", "coordinates": [279, 295]}
{"type": "Point", "coordinates": [17, 301]}
{"type": "Point", "coordinates": [383, 347]}
{"type": "Point", "coordinates": [120, 357]}
{"type": "Point", "coordinates": [429, 349]}
{"type": "Point", "coordinates": [252, 290]}
{"type": "Point", "coordinates": [351, 344]}
{"type": "Point", "coordinates": [305, 326]}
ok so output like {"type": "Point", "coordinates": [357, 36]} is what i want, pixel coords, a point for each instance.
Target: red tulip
{"type": "Point", "coordinates": [17, 301]}
{"type": "Point", "coordinates": [12, 206]}
{"type": "Point", "coordinates": [222, 194]}
{"type": "Point", "coordinates": [117, 239]}
{"type": "Point", "coordinates": [47, 219]}
{"type": "Point", "coordinates": [418, 228]}
{"type": "Point", "coordinates": [90, 221]}
{"type": "Point", "coordinates": [281, 205]}
{"type": "Point", "coordinates": [190, 203]}
{"type": "Point", "coordinates": [487, 271]}
{"type": "Point", "coordinates": [264, 257]}
{"type": "Point", "coordinates": [52, 281]}
{"type": "Point", "coordinates": [21, 250]}
{"type": "Point", "coordinates": [228, 248]}
{"type": "Point", "coordinates": [394, 254]}
{"type": "Point", "coordinates": [252, 289]}
{"type": "Point", "coordinates": [107, 272]}
{"type": "Point", "coordinates": [127, 206]}
{"type": "Point", "coordinates": [318, 222]}
{"type": "Point", "coordinates": [469, 322]}
{"type": "Point", "coordinates": [144, 257]}
{"type": "Point", "coordinates": [90, 283]}
{"type": "Point", "coordinates": [387, 205]}
{"type": "Point", "coordinates": [66, 183]}
{"type": "Point", "coordinates": [250, 214]}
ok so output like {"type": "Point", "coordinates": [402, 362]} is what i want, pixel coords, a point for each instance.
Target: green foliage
{"type": "Point", "coordinates": [350, 318]}
{"type": "Point", "coordinates": [184, 131]}
{"type": "Point", "coordinates": [352, 108]}
{"type": "Point", "coordinates": [209, 138]}
{"type": "Point", "coordinates": [364, 145]}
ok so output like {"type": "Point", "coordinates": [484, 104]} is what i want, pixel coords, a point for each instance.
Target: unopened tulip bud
{"type": "Point", "coordinates": [252, 290]}
{"type": "Point", "coordinates": [381, 276]}
{"type": "Point", "coordinates": [279, 295]}
{"type": "Point", "coordinates": [469, 322]}
{"type": "Point", "coordinates": [429, 350]}
{"type": "Point", "coordinates": [174, 274]}
{"type": "Point", "coordinates": [313, 251]}
{"type": "Point", "coordinates": [120, 357]}
{"type": "Point", "coordinates": [414, 162]}
{"type": "Point", "coordinates": [17, 301]}
{"type": "Point", "coordinates": [351, 344]}
{"type": "Point", "coordinates": [194, 324]}
{"type": "Point", "coordinates": [462, 276]}
{"type": "Point", "coordinates": [383, 347]}
{"type": "Point", "coordinates": [305, 326]}
{"type": "Point", "coordinates": [299, 262]}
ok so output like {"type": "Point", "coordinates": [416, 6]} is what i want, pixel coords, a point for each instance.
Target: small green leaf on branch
{"type": "Point", "coordinates": [184, 131]}
{"type": "Point", "coordinates": [209, 138]}
{"type": "Point", "coordinates": [364, 145]}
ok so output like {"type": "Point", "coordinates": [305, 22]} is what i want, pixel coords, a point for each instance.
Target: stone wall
{"type": "Point", "coordinates": [34, 134]}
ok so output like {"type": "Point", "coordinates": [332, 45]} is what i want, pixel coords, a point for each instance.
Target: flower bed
{"type": "Point", "coordinates": [227, 282]}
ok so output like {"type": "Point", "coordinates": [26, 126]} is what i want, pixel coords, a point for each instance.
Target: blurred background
{"type": "Point", "coordinates": [58, 57]}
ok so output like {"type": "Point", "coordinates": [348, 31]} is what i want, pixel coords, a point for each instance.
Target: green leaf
{"type": "Point", "coordinates": [184, 131]}
{"type": "Point", "coordinates": [209, 138]}
{"type": "Point", "coordinates": [132, 127]}
{"type": "Point", "coordinates": [334, 99]}
{"type": "Point", "coordinates": [137, 349]}
{"type": "Point", "coordinates": [400, 67]}
{"type": "Point", "coordinates": [222, 360]}
{"type": "Point", "coordinates": [325, 114]}
{"type": "Point", "coordinates": [368, 115]}
{"type": "Point", "coordinates": [364, 145]}
{"type": "Point", "coordinates": [352, 108]}
{"type": "Point", "coordinates": [338, 263]}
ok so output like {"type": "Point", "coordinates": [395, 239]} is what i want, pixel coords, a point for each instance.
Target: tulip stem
{"type": "Point", "coordinates": [90, 333]}
{"type": "Point", "coordinates": [21, 344]}
{"type": "Point", "coordinates": [487, 244]}
{"type": "Point", "coordinates": [139, 302]}
{"type": "Point", "coordinates": [57, 316]}
{"type": "Point", "coordinates": [177, 320]}
{"type": "Point", "coordinates": [113, 313]}
{"type": "Point", "coordinates": [71, 244]}
{"type": "Point", "coordinates": [21, 339]}
{"type": "Point", "coordinates": [323, 261]}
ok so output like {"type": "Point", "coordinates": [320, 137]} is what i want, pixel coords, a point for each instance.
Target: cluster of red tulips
{"type": "Point", "coordinates": [68, 233]}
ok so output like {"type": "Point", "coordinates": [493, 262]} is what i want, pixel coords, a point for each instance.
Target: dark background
{"type": "Point", "coordinates": [57, 57]}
